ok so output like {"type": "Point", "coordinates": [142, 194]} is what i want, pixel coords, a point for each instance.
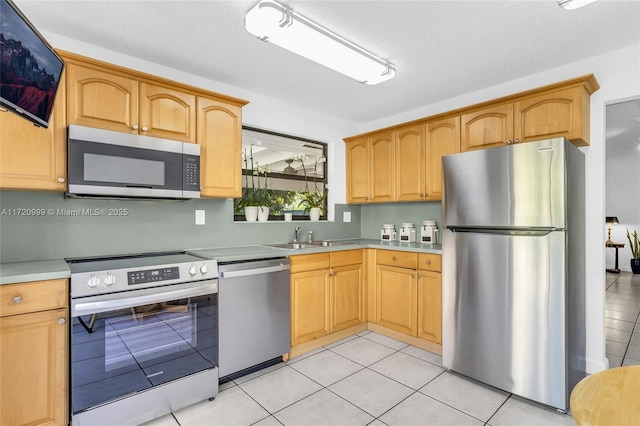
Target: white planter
{"type": "Point", "coordinates": [263, 214]}
{"type": "Point", "coordinates": [251, 213]}
{"type": "Point", "coordinates": [314, 213]}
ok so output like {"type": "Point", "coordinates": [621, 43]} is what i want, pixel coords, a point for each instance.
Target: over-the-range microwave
{"type": "Point", "coordinates": [104, 163]}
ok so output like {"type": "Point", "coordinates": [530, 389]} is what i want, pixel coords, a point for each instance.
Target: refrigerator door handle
{"type": "Point", "coordinates": [497, 231]}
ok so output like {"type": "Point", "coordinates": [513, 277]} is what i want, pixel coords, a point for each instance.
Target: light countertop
{"type": "Point", "coordinates": [19, 272]}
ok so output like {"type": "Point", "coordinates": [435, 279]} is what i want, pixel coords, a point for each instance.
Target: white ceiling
{"type": "Point", "coordinates": [441, 49]}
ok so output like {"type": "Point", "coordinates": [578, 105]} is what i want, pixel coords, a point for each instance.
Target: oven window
{"type": "Point", "coordinates": [117, 353]}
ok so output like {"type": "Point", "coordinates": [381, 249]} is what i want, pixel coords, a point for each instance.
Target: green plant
{"type": "Point", "coordinates": [315, 198]}
{"type": "Point", "coordinates": [254, 194]}
{"type": "Point", "coordinates": [634, 244]}
{"type": "Point", "coordinates": [309, 200]}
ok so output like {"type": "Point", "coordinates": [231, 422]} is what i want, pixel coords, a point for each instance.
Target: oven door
{"type": "Point", "coordinates": [126, 343]}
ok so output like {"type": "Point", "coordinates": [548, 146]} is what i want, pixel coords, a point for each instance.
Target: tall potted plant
{"type": "Point", "coordinates": [312, 201]}
{"type": "Point", "coordinates": [634, 244]}
{"type": "Point", "coordinates": [255, 199]}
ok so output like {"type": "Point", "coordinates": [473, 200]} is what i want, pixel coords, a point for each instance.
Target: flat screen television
{"type": "Point", "coordinates": [29, 68]}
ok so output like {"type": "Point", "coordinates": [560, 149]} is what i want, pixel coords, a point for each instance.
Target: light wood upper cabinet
{"type": "Point", "coordinates": [34, 353]}
{"type": "Point", "coordinates": [167, 113]}
{"type": "Point", "coordinates": [33, 157]}
{"type": "Point", "coordinates": [370, 168]}
{"type": "Point", "coordinates": [411, 163]}
{"type": "Point", "coordinates": [419, 152]}
{"type": "Point", "coordinates": [219, 135]}
{"type": "Point", "coordinates": [357, 161]}
{"type": "Point", "coordinates": [102, 98]}
{"type": "Point", "coordinates": [382, 167]}
{"type": "Point", "coordinates": [561, 113]}
{"type": "Point", "coordinates": [117, 101]}
{"type": "Point", "coordinates": [487, 127]}
{"type": "Point", "coordinates": [442, 138]}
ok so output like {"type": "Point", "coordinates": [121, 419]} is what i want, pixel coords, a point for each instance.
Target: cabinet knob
{"type": "Point", "coordinates": [394, 258]}
{"type": "Point", "coordinates": [61, 321]}
{"type": "Point", "coordinates": [17, 299]}
{"type": "Point", "coordinates": [428, 262]}
{"type": "Point", "coordinates": [509, 141]}
{"type": "Point", "coordinates": [413, 275]}
{"type": "Point", "coordinates": [145, 128]}
{"type": "Point", "coordinates": [516, 141]}
{"type": "Point", "coordinates": [135, 127]}
{"type": "Point", "coordinates": [61, 179]}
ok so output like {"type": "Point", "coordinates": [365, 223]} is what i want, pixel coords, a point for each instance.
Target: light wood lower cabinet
{"type": "Point", "coordinates": [327, 294]}
{"type": "Point", "coordinates": [409, 293]}
{"type": "Point", "coordinates": [34, 353]}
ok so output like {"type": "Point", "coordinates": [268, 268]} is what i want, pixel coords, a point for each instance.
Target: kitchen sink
{"type": "Point", "coordinates": [298, 246]}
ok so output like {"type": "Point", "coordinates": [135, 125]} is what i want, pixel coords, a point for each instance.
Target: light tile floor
{"type": "Point", "coordinates": [366, 379]}
{"type": "Point", "coordinates": [622, 320]}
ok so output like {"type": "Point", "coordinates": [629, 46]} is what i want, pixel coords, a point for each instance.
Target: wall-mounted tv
{"type": "Point", "coordinates": [29, 68]}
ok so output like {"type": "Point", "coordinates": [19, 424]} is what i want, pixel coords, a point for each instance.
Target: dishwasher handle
{"type": "Point", "coordinates": [254, 271]}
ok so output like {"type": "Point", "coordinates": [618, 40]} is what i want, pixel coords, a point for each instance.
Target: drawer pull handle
{"type": "Point", "coordinates": [17, 299]}
{"type": "Point", "coordinates": [394, 258]}
{"type": "Point", "coordinates": [428, 262]}
{"type": "Point", "coordinates": [61, 321]}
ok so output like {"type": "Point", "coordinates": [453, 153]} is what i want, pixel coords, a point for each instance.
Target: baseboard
{"type": "Point", "coordinates": [411, 340]}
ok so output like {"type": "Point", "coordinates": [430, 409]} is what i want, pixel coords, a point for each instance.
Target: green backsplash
{"type": "Point", "coordinates": [373, 216]}
{"type": "Point", "coordinates": [147, 226]}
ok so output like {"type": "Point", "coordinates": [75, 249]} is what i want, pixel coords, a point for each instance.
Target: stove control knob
{"type": "Point", "coordinates": [204, 269]}
{"type": "Point", "coordinates": [109, 279]}
{"type": "Point", "coordinates": [93, 281]}
{"type": "Point", "coordinates": [192, 270]}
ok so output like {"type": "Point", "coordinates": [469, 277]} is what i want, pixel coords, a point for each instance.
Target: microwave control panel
{"type": "Point", "coordinates": [191, 170]}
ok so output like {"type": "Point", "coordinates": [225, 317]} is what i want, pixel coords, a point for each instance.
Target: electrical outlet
{"type": "Point", "coordinates": [199, 217]}
{"type": "Point", "coordinates": [346, 216]}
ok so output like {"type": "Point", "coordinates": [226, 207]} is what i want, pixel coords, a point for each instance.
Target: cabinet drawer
{"type": "Point", "coordinates": [309, 262]}
{"type": "Point", "coordinates": [346, 257]}
{"type": "Point", "coordinates": [32, 297]}
{"type": "Point", "coordinates": [430, 262]}
{"type": "Point", "coordinates": [402, 259]}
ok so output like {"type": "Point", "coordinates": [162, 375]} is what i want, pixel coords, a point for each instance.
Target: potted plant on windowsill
{"type": "Point", "coordinates": [312, 201]}
{"type": "Point", "coordinates": [634, 244]}
{"type": "Point", "coordinates": [256, 199]}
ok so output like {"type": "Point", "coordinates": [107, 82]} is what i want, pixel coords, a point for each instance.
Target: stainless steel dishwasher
{"type": "Point", "coordinates": [254, 315]}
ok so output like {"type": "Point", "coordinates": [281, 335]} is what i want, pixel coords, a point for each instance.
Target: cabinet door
{"type": "Point", "coordinates": [410, 164]}
{"type": "Point", "coordinates": [357, 163]}
{"type": "Point", "coordinates": [309, 305]}
{"type": "Point", "coordinates": [167, 113]}
{"type": "Point", "coordinates": [430, 306]}
{"type": "Point", "coordinates": [442, 138]}
{"type": "Point", "coordinates": [33, 361]}
{"type": "Point", "coordinates": [551, 115]}
{"type": "Point", "coordinates": [488, 127]}
{"type": "Point", "coordinates": [102, 99]}
{"type": "Point", "coordinates": [33, 157]}
{"type": "Point", "coordinates": [220, 138]}
{"type": "Point", "coordinates": [382, 170]}
{"type": "Point", "coordinates": [347, 294]}
{"type": "Point", "coordinates": [396, 299]}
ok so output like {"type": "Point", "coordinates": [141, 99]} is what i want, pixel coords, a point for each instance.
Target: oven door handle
{"type": "Point", "coordinates": [86, 308]}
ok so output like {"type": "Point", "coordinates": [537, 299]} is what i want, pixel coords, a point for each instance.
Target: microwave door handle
{"type": "Point", "coordinates": [87, 308]}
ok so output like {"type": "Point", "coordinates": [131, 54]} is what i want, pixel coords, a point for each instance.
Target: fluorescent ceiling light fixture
{"type": "Point", "coordinates": [279, 24]}
{"type": "Point", "coordinates": [574, 4]}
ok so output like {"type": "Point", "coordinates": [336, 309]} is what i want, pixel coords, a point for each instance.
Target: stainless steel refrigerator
{"type": "Point", "coordinates": [513, 268]}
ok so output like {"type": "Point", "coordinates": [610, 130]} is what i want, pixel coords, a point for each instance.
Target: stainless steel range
{"type": "Point", "coordinates": [144, 336]}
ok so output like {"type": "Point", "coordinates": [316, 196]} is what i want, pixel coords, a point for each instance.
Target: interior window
{"type": "Point", "coordinates": [286, 173]}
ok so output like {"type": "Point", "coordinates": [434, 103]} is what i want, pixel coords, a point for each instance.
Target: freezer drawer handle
{"type": "Point", "coordinates": [257, 271]}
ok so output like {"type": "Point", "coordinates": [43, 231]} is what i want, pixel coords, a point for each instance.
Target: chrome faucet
{"type": "Point", "coordinates": [295, 234]}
